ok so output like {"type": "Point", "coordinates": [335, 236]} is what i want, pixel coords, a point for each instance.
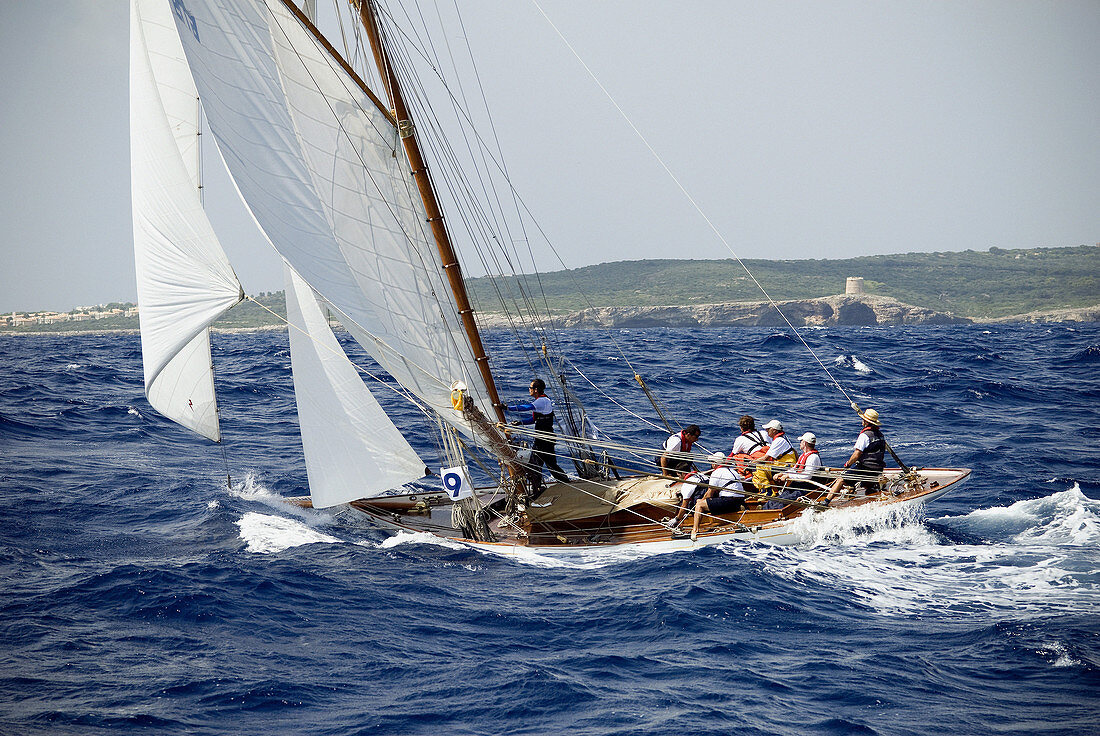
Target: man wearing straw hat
{"type": "Point", "coordinates": [868, 455]}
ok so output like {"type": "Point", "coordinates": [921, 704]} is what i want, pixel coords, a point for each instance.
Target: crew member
{"type": "Point", "coordinates": [780, 454]}
{"type": "Point", "coordinates": [542, 450]}
{"type": "Point", "coordinates": [726, 498]}
{"type": "Point", "coordinates": [678, 443]}
{"type": "Point", "coordinates": [749, 447]}
{"type": "Point", "coordinates": [868, 456]}
{"type": "Point", "coordinates": [808, 463]}
{"type": "Point", "coordinates": [801, 476]}
{"type": "Point", "coordinates": [691, 493]}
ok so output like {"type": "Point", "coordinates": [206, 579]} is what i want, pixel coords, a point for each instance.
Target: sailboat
{"type": "Point", "coordinates": [337, 181]}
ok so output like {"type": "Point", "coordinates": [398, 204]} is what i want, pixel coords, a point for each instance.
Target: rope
{"type": "Point", "coordinates": [517, 198]}
{"type": "Point", "coordinates": [402, 392]}
{"type": "Point", "coordinates": [690, 199]}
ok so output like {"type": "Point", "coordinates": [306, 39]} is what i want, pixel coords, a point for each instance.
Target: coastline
{"type": "Point", "coordinates": [833, 311]}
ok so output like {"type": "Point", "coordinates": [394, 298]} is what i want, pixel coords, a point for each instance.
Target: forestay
{"type": "Point", "coordinates": [321, 167]}
{"type": "Point", "coordinates": [352, 449]}
{"type": "Point", "coordinates": [184, 280]}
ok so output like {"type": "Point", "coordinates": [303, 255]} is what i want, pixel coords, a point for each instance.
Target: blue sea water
{"type": "Point", "coordinates": [140, 594]}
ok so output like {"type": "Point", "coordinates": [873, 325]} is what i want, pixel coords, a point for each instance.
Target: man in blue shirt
{"type": "Point", "coordinates": [542, 450]}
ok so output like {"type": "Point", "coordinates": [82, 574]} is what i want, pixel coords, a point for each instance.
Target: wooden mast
{"type": "Point", "coordinates": [423, 182]}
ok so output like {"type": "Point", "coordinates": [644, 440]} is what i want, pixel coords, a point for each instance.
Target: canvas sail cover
{"type": "Point", "coordinates": [323, 172]}
{"type": "Point", "coordinates": [352, 448]}
{"type": "Point", "coordinates": [184, 280]}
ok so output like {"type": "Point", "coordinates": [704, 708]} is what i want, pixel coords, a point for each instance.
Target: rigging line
{"type": "Point", "coordinates": [397, 219]}
{"type": "Point", "coordinates": [500, 155]}
{"type": "Point", "coordinates": [520, 278]}
{"type": "Point", "coordinates": [403, 71]}
{"type": "Point", "coordinates": [645, 452]}
{"type": "Point", "coordinates": [461, 108]}
{"type": "Point", "coordinates": [615, 342]}
{"type": "Point", "coordinates": [610, 398]}
{"type": "Point", "coordinates": [445, 156]}
{"type": "Point", "coordinates": [531, 215]}
{"type": "Point", "coordinates": [482, 150]}
{"type": "Point", "coordinates": [397, 389]}
{"type": "Point", "coordinates": [218, 414]}
{"type": "Point", "coordinates": [354, 51]}
{"type": "Point", "coordinates": [383, 31]}
{"type": "Point", "coordinates": [691, 199]}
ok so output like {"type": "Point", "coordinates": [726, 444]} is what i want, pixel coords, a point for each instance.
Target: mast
{"type": "Point", "coordinates": [427, 193]}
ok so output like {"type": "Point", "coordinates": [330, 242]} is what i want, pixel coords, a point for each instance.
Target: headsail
{"type": "Point", "coordinates": [352, 448]}
{"type": "Point", "coordinates": [184, 280]}
{"type": "Point", "coordinates": [320, 165]}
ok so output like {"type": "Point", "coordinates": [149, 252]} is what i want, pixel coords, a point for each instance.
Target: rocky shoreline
{"type": "Point", "coordinates": [839, 310]}
{"type": "Point", "coordinates": [831, 311]}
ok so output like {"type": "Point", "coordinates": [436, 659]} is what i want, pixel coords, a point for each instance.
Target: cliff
{"type": "Point", "coordinates": [826, 311]}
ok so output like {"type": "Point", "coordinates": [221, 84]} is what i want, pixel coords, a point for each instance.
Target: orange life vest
{"type": "Point", "coordinates": [742, 460]}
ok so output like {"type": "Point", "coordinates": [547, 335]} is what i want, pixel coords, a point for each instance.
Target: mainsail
{"type": "Point", "coordinates": [352, 449]}
{"type": "Point", "coordinates": [319, 163]}
{"type": "Point", "coordinates": [184, 280]}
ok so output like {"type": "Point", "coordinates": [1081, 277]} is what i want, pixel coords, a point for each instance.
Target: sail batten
{"type": "Point", "coordinates": [319, 165]}
{"type": "Point", "coordinates": [184, 279]}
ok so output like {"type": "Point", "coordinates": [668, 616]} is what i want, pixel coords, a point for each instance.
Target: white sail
{"type": "Point", "coordinates": [323, 171]}
{"type": "Point", "coordinates": [352, 448]}
{"type": "Point", "coordinates": [184, 280]}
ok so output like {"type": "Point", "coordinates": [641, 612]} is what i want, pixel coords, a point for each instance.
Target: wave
{"type": "Point", "coordinates": [1065, 518]}
{"type": "Point", "coordinates": [266, 533]}
{"type": "Point", "coordinates": [893, 563]}
{"type": "Point", "coordinates": [1091, 354]}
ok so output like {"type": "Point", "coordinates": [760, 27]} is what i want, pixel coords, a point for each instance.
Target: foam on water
{"type": "Point", "coordinates": [250, 488]}
{"type": "Point", "coordinates": [1065, 518]}
{"type": "Point", "coordinates": [124, 555]}
{"type": "Point", "coordinates": [845, 361]}
{"type": "Point", "coordinates": [581, 559]}
{"type": "Point", "coordinates": [894, 564]}
{"type": "Point", "coordinates": [266, 533]}
{"type": "Point", "coordinates": [1058, 652]}
{"type": "Point", "coordinates": [403, 538]}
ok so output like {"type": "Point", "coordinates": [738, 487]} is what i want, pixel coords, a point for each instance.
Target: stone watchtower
{"type": "Point", "coordinates": [854, 286]}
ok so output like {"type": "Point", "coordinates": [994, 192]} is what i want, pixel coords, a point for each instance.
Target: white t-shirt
{"type": "Point", "coordinates": [863, 441]}
{"type": "Point", "coordinates": [688, 487]}
{"type": "Point", "coordinates": [725, 477]}
{"type": "Point", "coordinates": [673, 443]}
{"type": "Point", "coordinates": [779, 447]}
{"type": "Point", "coordinates": [543, 405]}
{"type": "Point", "coordinates": [813, 463]}
{"type": "Point", "coordinates": [746, 443]}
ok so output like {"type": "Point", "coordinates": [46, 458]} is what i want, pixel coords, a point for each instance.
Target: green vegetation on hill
{"type": "Point", "coordinates": [248, 314]}
{"type": "Point", "coordinates": [987, 284]}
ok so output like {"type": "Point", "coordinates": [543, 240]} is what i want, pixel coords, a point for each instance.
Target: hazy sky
{"type": "Point", "coordinates": [803, 129]}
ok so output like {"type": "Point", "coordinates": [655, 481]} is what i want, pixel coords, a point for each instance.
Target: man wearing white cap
{"type": "Point", "coordinates": [728, 497]}
{"type": "Point", "coordinates": [807, 464]}
{"type": "Point", "coordinates": [690, 493]}
{"type": "Point", "coordinates": [780, 454]}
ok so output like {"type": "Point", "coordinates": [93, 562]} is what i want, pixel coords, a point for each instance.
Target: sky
{"type": "Point", "coordinates": [797, 129]}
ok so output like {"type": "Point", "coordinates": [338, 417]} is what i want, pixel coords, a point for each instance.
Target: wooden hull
{"type": "Point", "coordinates": [561, 523]}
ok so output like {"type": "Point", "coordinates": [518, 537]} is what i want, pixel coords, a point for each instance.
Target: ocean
{"type": "Point", "coordinates": [143, 595]}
